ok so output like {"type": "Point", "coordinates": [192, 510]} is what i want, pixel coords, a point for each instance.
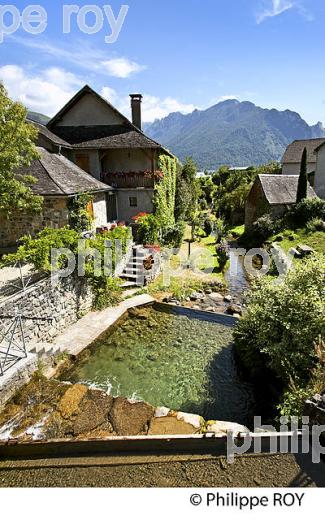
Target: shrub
{"type": "Point", "coordinates": [208, 227]}
{"type": "Point", "coordinates": [283, 320]}
{"type": "Point", "coordinates": [80, 218]}
{"type": "Point", "coordinates": [306, 210]}
{"type": "Point", "coordinates": [222, 251]}
{"type": "Point", "coordinates": [262, 229]}
{"type": "Point", "coordinates": [173, 236]}
{"type": "Point", "coordinates": [316, 224]}
{"type": "Point", "coordinates": [148, 229]}
{"type": "Point", "coordinates": [37, 251]}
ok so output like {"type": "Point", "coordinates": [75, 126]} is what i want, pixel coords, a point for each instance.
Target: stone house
{"type": "Point", "coordinates": [319, 185]}
{"type": "Point", "coordinates": [89, 146]}
{"type": "Point", "coordinates": [99, 139]}
{"type": "Point", "coordinates": [291, 160]}
{"type": "Point", "coordinates": [273, 195]}
{"type": "Point", "coordinates": [58, 179]}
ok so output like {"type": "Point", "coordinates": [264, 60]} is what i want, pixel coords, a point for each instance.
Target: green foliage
{"type": "Point", "coordinates": [282, 322]}
{"type": "Point", "coordinates": [37, 251]}
{"type": "Point", "coordinates": [79, 216]}
{"type": "Point", "coordinates": [303, 178]}
{"type": "Point", "coordinates": [17, 150]}
{"type": "Point", "coordinates": [222, 251]}
{"type": "Point", "coordinates": [187, 191]}
{"type": "Point", "coordinates": [207, 188]}
{"type": "Point", "coordinates": [293, 400]}
{"type": "Point", "coordinates": [148, 229]}
{"type": "Point", "coordinates": [233, 187]}
{"type": "Point", "coordinates": [173, 236]}
{"type": "Point", "coordinates": [107, 292]}
{"type": "Point", "coordinates": [304, 211]}
{"type": "Point", "coordinates": [315, 224]}
{"type": "Point", "coordinates": [262, 229]}
{"type": "Point", "coordinates": [164, 201]}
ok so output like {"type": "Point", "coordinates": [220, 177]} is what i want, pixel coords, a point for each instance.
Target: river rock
{"type": "Point", "coordinates": [141, 313]}
{"type": "Point", "coordinates": [69, 404]}
{"type": "Point", "coordinates": [130, 418]}
{"type": "Point", "coordinates": [222, 427]}
{"type": "Point", "coordinates": [228, 298]}
{"type": "Point", "coordinates": [216, 296]}
{"type": "Point", "coordinates": [234, 309]}
{"type": "Point", "coordinates": [94, 409]}
{"type": "Point", "coordinates": [171, 425]}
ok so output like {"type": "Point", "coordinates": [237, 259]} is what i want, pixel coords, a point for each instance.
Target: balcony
{"type": "Point", "coordinates": [142, 179]}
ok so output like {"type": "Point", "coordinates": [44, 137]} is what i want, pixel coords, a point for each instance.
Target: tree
{"type": "Point", "coordinates": [17, 149]}
{"type": "Point", "coordinates": [187, 191]}
{"type": "Point", "coordinates": [303, 178]}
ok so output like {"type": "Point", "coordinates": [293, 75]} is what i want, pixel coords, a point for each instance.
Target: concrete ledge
{"type": "Point", "coordinates": [85, 331]}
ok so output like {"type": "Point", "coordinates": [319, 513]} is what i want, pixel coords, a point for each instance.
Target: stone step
{"type": "Point", "coordinates": [44, 348]}
{"type": "Point", "coordinates": [130, 276]}
{"type": "Point", "coordinates": [133, 271]}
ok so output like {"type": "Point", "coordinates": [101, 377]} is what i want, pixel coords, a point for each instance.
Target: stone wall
{"type": "Point", "coordinates": [63, 303]}
{"type": "Point", "coordinates": [55, 215]}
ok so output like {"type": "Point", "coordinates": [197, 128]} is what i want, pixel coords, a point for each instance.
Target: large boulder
{"type": "Point", "coordinates": [170, 426]}
{"type": "Point", "coordinates": [222, 428]}
{"type": "Point", "coordinates": [94, 409]}
{"type": "Point", "coordinates": [130, 418]}
{"type": "Point", "coordinates": [70, 402]}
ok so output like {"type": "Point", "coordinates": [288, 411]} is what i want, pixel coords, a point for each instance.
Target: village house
{"type": "Point", "coordinates": [109, 147]}
{"type": "Point", "coordinates": [291, 160]}
{"type": "Point", "coordinates": [273, 195]}
{"type": "Point", "coordinates": [320, 171]}
{"type": "Point", "coordinates": [57, 180]}
{"type": "Point", "coordinates": [89, 146]}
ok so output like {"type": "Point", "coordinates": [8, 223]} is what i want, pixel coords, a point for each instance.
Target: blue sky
{"type": "Point", "coordinates": [181, 54]}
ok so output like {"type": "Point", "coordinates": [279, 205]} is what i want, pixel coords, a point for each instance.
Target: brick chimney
{"type": "Point", "coordinates": [136, 100]}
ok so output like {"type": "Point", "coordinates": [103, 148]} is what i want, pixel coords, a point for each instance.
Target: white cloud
{"type": "Point", "coordinates": [153, 107]}
{"type": "Point", "coordinates": [121, 67]}
{"type": "Point", "coordinates": [276, 8]}
{"type": "Point", "coordinates": [85, 56]}
{"type": "Point", "coordinates": [44, 92]}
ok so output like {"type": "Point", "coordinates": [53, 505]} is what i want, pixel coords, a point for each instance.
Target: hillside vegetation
{"type": "Point", "coordinates": [232, 133]}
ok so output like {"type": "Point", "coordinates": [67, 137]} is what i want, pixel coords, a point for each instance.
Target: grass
{"type": "Point", "coordinates": [186, 281]}
{"type": "Point", "coordinates": [236, 231]}
{"type": "Point", "coordinates": [293, 238]}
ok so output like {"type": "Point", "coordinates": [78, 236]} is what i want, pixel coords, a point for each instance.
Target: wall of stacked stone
{"type": "Point", "coordinates": [55, 215]}
{"type": "Point", "coordinates": [48, 309]}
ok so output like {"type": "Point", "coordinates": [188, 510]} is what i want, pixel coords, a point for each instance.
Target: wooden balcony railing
{"type": "Point", "coordinates": [131, 179]}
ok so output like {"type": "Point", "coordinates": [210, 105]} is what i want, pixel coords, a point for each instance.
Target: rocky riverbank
{"type": "Point", "coordinates": [49, 409]}
{"type": "Point", "coordinates": [210, 301]}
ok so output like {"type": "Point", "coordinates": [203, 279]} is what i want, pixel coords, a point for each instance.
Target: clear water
{"type": "Point", "coordinates": [169, 360]}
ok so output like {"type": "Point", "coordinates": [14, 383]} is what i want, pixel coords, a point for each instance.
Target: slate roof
{"type": "Point", "coordinates": [43, 130]}
{"type": "Point", "coordinates": [57, 176]}
{"type": "Point", "coordinates": [126, 135]}
{"type": "Point", "coordinates": [113, 136]}
{"type": "Point", "coordinates": [293, 153]}
{"type": "Point", "coordinates": [282, 189]}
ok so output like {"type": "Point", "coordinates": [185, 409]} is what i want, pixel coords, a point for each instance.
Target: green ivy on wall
{"type": "Point", "coordinates": [80, 216]}
{"type": "Point", "coordinates": [164, 201]}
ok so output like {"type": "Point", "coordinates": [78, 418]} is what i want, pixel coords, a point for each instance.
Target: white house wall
{"type": "Point", "coordinates": [90, 111]}
{"type": "Point", "coordinates": [320, 173]}
{"type": "Point", "coordinates": [294, 168]}
{"type": "Point", "coordinates": [144, 198]}
{"type": "Point", "coordinates": [100, 209]}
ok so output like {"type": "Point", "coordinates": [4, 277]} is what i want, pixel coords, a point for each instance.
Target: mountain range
{"type": "Point", "coordinates": [231, 133]}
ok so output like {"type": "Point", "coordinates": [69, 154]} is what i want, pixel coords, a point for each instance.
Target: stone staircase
{"type": "Point", "coordinates": [134, 273]}
{"type": "Point", "coordinates": [48, 349]}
